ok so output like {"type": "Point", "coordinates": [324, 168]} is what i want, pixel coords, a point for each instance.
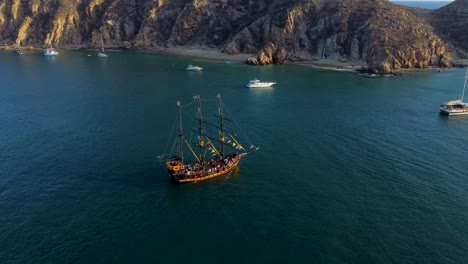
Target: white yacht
{"type": "Point", "coordinates": [101, 54]}
{"type": "Point", "coordinates": [258, 84]}
{"type": "Point", "coordinates": [456, 107]}
{"type": "Point", "coordinates": [50, 52]}
{"type": "Point", "coordinates": [193, 68]}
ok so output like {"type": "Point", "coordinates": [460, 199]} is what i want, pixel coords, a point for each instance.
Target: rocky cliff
{"type": "Point", "coordinates": [375, 33]}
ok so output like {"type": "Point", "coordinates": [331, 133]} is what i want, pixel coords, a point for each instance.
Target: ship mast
{"type": "Point", "coordinates": [464, 85]}
{"type": "Point", "coordinates": [221, 126]}
{"type": "Point", "coordinates": [102, 44]}
{"type": "Point", "coordinates": [180, 150]}
{"type": "Point", "coordinates": [201, 143]}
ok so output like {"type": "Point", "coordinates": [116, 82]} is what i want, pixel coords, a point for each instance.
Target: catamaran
{"type": "Point", "coordinates": [101, 53]}
{"type": "Point", "coordinates": [258, 84]}
{"type": "Point", "coordinates": [224, 156]}
{"type": "Point", "coordinates": [456, 107]}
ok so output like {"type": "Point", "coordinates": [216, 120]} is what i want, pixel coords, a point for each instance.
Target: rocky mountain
{"type": "Point", "coordinates": [451, 22]}
{"type": "Point", "coordinates": [375, 33]}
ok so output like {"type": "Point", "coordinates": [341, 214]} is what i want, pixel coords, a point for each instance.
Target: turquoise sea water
{"type": "Point", "coordinates": [424, 4]}
{"type": "Point", "coordinates": [351, 169]}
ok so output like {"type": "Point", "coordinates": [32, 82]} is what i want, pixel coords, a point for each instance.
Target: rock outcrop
{"type": "Point", "coordinates": [271, 54]}
{"type": "Point", "coordinates": [375, 33]}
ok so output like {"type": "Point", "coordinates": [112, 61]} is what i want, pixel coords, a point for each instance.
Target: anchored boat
{"type": "Point", "coordinates": [456, 107]}
{"type": "Point", "coordinates": [258, 84]}
{"type": "Point", "coordinates": [193, 68]}
{"type": "Point", "coordinates": [17, 52]}
{"type": "Point", "coordinates": [50, 52]}
{"type": "Point", "coordinates": [215, 156]}
{"type": "Point", "coordinates": [101, 53]}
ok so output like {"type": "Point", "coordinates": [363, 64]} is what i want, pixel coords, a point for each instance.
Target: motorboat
{"type": "Point", "coordinates": [194, 68]}
{"type": "Point", "coordinates": [50, 52]}
{"type": "Point", "coordinates": [258, 84]}
{"type": "Point", "coordinates": [102, 55]}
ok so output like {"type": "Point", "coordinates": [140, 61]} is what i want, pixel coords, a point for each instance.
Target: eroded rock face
{"type": "Point", "coordinates": [270, 54]}
{"type": "Point", "coordinates": [376, 33]}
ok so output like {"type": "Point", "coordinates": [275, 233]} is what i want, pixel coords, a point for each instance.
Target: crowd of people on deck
{"type": "Point", "coordinates": [195, 170]}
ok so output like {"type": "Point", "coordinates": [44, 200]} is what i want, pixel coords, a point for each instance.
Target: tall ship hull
{"type": "Point", "coordinates": [184, 174]}
{"type": "Point", "coordinates": [216, 156]}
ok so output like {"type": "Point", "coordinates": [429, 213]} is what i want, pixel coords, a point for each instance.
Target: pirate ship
{"type": "Point", "coordinates": [213, 156]}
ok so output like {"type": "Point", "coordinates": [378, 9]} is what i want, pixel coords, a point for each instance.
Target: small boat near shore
{"type": "Point", "coordinates": [456, 107]}
{"type": "Point", "coordinates": [17, 52]}
{"type": "Point", "coordinates": [213, 156]}
{"type": "Point", "coordinates": [102, 54]}
{"type": "Point", "coordinates": [258, 84]}
{"type": "Point", "coordinates": [193, 68]}
{"type": "Point", "coordinates": [50, 52]}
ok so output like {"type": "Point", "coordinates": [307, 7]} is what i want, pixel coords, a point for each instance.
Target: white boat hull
{"type": "Point", "coordinates": [194, 69]}
{"type": "Point", "coordinates": [261, 85]}
{"type": "Point", "coordinates": [102, 55]}
{"type": "Point", "coordinates": [51, 53]}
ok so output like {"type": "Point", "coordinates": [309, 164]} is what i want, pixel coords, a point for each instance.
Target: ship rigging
{"type": "Point", "coordinates": [225, 152]}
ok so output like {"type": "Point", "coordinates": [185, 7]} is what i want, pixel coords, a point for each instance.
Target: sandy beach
{"type": "Point", "coordinates": [329, 64]}
{"type": "Point", "coordinates": [205, 54]}
{"type": "Point", "coordinates": [217, 55]}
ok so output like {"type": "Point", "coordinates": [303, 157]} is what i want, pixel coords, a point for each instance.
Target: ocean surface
{"type": "Point", "coordinates": [350, 170]}
{"type": "Point", "coordinates": [423, 4]}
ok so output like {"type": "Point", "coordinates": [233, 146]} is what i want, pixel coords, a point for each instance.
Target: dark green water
{"type": "Point", "coordinates": [351, 169]}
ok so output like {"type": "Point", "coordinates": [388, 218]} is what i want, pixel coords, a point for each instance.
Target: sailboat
{"type": "Point", "coordinates": [101, 54]}
{"type": "Point", "coordinates": [225, 155]}
{"type": "Point", "coordinates": [456, 107]}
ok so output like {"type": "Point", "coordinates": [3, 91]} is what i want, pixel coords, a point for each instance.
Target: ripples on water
{"type": "Point", "coordinates": [350, 170]}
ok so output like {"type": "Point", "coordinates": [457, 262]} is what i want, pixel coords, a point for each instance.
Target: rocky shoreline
{"type": "Point", "coordinates": [381, 36]}
{"type": "Point", "coordinates": [219, 56]}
